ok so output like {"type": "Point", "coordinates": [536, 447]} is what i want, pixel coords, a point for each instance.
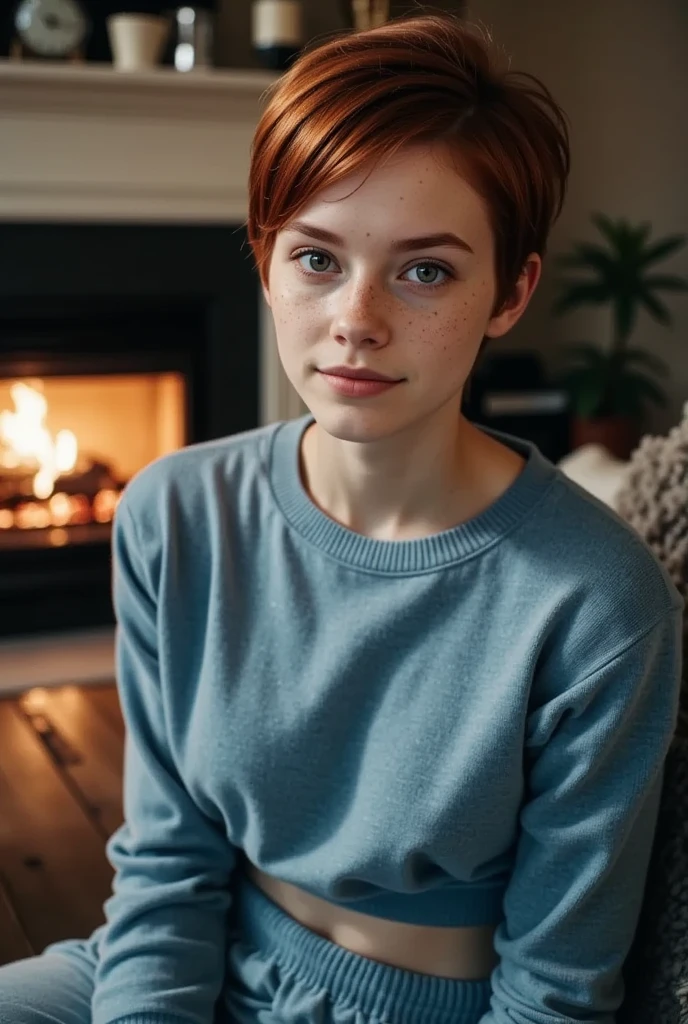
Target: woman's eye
{"type": "Point", "coordinates": [315, 262]}
{"type": "Point", "coordinates": [429, 273]}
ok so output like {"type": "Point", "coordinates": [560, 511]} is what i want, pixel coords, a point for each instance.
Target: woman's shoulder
{"type": "Point", "coordinates": [570, 547]}
{"type": "Point", "coordinates": [568, 540]}
{"type": "Point", "coordinates": [199, 480]}
{"type": "Point", "coordinates": [590, 535]}
{"type": "Point", "coordinates": [605, 586]}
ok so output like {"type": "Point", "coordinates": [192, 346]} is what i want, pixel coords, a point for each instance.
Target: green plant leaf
{"type": "Point", "coordinates": [622, 239]}
{"type": "Point", "coordinates": [618, 276]}
{"type": "Point", "coordinates": [612, 230]}
{"type": "Point", "coordinates": [645, 387]}
{"type": "Point", "coordinates": [643, 233]}
{"type": "Point", "coordinates": [666, 282]}
{"type": "Point", "coordinates": [625, 399]}
{"type": "Point", "coordinates": [648, 359]}
{"type": "Point", "coordinates": [585, 352]}
{"type": "Point", "coordinates": [580, 292]}
{"type": "Point", "coordinates": [624, 315]}
{"type": "Point", "coordinates": [655, 308]}
{"type": "Point", "coordinates": [664, 247]}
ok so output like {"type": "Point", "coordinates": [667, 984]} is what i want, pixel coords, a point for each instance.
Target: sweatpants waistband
{"type": "Point", "coordinates": [378, 990]}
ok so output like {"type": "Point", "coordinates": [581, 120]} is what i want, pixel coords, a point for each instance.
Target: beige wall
{"type": "Point", "coordinates": [619, 69]}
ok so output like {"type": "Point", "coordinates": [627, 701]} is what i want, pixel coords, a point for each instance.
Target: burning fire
{"type": "Point", "coordinates": [28, 441]}
{"type": "Point", "coordinates": [28, 450]}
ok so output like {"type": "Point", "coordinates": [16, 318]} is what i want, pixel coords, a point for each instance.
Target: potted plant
{"type": "Point", "coordinates": [610, 387]}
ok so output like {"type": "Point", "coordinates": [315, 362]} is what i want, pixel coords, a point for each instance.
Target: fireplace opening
{"type": "Point", "coordinates": [70, 444]}
{"type": "Point", "coordinates": [119, 343]}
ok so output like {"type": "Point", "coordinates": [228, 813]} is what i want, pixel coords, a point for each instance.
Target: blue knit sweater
{"type": "Point", "coordinates": [464, 729]}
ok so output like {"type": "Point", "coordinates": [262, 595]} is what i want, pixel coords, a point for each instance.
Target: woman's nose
{"type": "Point", "coordinates": [361, 316]}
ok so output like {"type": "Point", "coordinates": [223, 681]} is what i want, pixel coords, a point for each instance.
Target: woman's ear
{"type": "Point", "coordinates": [513, 309]}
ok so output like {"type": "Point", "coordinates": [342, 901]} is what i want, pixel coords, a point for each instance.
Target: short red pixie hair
{"type": "Point", "coordinates": [361, 96]}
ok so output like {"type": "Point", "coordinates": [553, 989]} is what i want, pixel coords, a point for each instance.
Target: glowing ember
{"type": "Point", "coordinates": [46, 483]}
{"type": "Point", "coordinates": [26, 441]}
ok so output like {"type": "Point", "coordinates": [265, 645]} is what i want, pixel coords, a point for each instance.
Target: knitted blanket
{"type": "Point", "coordinates": [656, 970]}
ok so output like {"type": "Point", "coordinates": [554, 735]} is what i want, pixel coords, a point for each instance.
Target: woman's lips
{"type": "Point", "coordinates": [357, 387]}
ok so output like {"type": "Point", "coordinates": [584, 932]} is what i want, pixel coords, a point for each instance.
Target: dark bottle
{"type": "Point", "coordinates": [277, 32]}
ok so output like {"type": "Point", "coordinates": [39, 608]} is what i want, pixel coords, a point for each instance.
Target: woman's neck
{"type": "Point", "coordinates": [406, 487]}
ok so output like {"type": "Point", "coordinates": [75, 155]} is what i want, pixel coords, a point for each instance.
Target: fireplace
{"type": "Point", "coordinates": [118, 343]}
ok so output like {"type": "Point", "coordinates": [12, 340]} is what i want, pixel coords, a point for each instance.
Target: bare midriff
{"type": "Point", "coordinates": [460, 953]}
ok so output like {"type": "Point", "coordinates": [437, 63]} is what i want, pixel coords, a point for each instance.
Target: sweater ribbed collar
{"type": "Point", "coordinates": [403, 557]}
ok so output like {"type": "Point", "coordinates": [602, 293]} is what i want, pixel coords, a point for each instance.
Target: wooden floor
{"type": "Point", "coordinates": [60, 798]}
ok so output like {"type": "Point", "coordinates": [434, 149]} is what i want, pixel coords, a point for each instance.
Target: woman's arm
{"type": "Point", "coordinates": [162, 957]}
{"type": "Point", "coordinates": [595, 762]}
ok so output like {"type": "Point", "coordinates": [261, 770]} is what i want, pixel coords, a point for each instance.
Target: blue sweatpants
{"type": "Point", "coordinates": [278, 972]}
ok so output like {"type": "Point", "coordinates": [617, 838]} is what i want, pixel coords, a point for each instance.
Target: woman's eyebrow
{"type": "Point", "coordinates": [443, 238]}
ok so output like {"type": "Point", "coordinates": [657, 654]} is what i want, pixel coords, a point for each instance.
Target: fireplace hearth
{"type": "Point", "coordinates": [118, 343]}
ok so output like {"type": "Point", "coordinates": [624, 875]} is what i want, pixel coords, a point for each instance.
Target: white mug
{"type": "Point", "coordinates": [137, 40]}
{"type": "Point", "coordinates": [277, 23]}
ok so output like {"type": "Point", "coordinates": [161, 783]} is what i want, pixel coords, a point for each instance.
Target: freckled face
{"type": "Point", "coordinates": [347, 288]}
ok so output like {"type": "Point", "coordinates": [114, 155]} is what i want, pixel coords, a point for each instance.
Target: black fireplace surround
{"type": "Point", "coordinates": [121, 298]}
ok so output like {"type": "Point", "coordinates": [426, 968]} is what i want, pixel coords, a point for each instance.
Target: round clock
{"type": "Point", "coordinates": [50, 29]}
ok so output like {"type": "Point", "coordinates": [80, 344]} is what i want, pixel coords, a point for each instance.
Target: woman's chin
{"type": "Point", "coordinates": [356, 424]}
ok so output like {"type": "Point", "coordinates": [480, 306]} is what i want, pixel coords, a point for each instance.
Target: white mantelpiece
{"type": "Point", "coordinates": [87, 143]}
{"type": "Point", "coordinates": [83, 143]}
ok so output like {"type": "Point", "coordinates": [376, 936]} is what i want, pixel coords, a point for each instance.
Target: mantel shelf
{"type": "Point", "coordinates": [52, 86]}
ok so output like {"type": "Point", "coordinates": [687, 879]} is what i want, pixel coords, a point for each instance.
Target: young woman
{"type": "Point", "coordinates": [398, 694]}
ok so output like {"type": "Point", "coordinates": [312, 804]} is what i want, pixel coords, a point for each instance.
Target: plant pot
{"type": "Point", "coordinates": [618, 434]}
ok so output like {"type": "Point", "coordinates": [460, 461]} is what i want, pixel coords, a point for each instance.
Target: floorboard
{"type": "Point", "coordinates": [60, 797]}
{"type": "Point", "coordinates": [105, 699]}
{"type": "Point", "coordinates": [14, 943]}
{"type": "Point", "coordinates": [88, 749]}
